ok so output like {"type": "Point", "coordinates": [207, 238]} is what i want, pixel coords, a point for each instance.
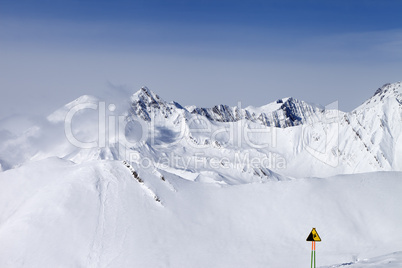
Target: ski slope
{"type": "Point", "coordinates": [54, 213]}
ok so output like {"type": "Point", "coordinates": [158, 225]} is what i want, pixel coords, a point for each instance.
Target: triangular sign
{"type": "Point", "coordinates": [313, 236]}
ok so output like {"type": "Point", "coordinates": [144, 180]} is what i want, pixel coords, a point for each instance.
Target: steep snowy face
{"type": "Point", "coordinates": [388, 94]}
{"type": "Point", "coordinates": [297, 112]}
{"type": "Point", "coordinates": [145, 102]}
{"type": "Point", "coordinates": [219, 113]}
{"type": "Point", "coordinates": [283, 113]}
{"type": "Point", "coordinates": [377, 125]}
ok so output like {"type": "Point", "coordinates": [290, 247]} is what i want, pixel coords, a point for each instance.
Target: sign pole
{"type": "Point", "coordinates": [313, 237]}
{"type": "Point", "coordinates": [312, 252]}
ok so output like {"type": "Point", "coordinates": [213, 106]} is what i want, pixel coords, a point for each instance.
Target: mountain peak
{"type": "Point", "coordinates": [389, 89]}
{"type": "Point", "coordinates": [145, 101]}
{"type": "Point", "coordinates": [60, 114]}
{"type": "Point", "coordinates": [388, 94]}
{"type": "Point", "coordinates": [147, 96]}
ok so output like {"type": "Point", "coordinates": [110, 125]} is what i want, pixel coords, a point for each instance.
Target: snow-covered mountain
{"type": "Point", "coordinates": [377, 124]}
{"type": "Point", "coordinates": [282, 113]}
{"type": "Point", "coordinates": [158, 184]}
{"type": "Point", "coordinates": [297, 138]}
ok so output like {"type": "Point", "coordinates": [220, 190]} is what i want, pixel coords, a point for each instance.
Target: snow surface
{"type": "Point", "coordinates": [390, 260]}
{"type": "Point", "coordinates": [164, 185]}
{"type": "Point", "coordinates": [54, 213]}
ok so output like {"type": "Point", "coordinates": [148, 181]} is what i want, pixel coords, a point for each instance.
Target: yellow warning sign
{"type": "Point", "coordinates": [313, 236]}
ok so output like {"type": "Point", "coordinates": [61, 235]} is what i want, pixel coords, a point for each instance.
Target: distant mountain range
{"type": "Point", "coordinates": [301, 138]}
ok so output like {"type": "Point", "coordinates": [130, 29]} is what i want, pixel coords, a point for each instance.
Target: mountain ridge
{"type": "Point", "coordinates": [289, 112]}
{"type": "Point", "coordinates": [366, 139]}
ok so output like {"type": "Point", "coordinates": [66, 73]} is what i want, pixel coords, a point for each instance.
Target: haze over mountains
{"type": "Point", "coordinates": [150, 183]}
{"type": "Point", "coordinates": [364, 140]}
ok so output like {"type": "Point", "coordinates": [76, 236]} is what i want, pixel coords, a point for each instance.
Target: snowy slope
{"type": "Point", "coordinates": [54, 213]}
{"type": "Point", "coordinates": [378, 125]}
{"type": "Point", "coordinates": [392, 260]}
{"type": "Point", "coordinates": [158, 184]}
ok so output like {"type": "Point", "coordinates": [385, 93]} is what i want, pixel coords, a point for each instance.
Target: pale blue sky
{"type": "Point", "coordinates": [197, 52]}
